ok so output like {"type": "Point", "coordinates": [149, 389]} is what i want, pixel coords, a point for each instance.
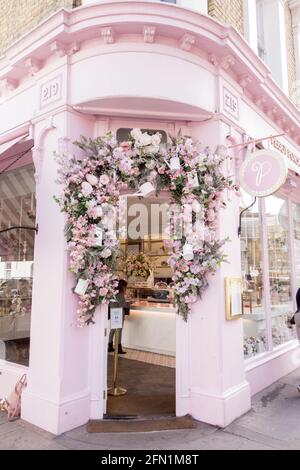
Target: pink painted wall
{"type": "Point", "coordinates": [178, 84]}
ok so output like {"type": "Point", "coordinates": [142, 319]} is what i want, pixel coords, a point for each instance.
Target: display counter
{"type": "Point", "coordinates": [150, 327]}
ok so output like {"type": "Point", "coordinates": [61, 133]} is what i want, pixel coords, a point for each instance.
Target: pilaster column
{"type": "Point", "coordinates": [65, 380]}
{"type": "Point", "coordinates": [211, 346]}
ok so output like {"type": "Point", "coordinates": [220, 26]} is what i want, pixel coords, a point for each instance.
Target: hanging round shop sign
{"type": "Point", "coordinates": [263, 173]}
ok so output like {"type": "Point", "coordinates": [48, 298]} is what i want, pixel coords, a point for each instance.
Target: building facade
{"type": "Point", "coordinates": [222, 75]}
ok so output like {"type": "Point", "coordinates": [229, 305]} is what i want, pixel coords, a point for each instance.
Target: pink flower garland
{"type": "Point", "coordinates": [92, 187]}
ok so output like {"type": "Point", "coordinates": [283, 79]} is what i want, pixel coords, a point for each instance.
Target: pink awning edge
{"type": "Point", "coordinates": [11, 150]}
{"type": "Point", "coordinates": [7, 145]}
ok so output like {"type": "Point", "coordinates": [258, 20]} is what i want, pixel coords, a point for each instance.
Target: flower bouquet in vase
{"type": "Point", "coordinates": [138, 269]}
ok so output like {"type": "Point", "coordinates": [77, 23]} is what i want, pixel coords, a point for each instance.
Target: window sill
{"type": "Point", "coordinates": [11, 367]}
{"type": "Point", "coordinates": [267, 356]}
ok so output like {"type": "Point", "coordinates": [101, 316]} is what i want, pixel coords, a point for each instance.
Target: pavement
{"type": "Point", "coordinates": [272, 423]}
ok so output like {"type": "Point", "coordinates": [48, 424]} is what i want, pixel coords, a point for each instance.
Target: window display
{"type": "Point", "coordinates": [268, 322]}
{"type": "Point", "coordinates": [296, 237]}
{"type": "Point", "coordinates": [17, 208]}
{"type": "Point", "coordinates": [279, 268]}
{"type": "Point", "coordinates": [252, 272]}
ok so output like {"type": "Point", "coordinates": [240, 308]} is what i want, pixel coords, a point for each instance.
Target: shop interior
{"type": "Point", "coordinates": [17, 208]}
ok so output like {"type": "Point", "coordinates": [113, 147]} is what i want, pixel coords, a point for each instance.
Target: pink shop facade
{"type": "Point", "coordinates": [122, 65]}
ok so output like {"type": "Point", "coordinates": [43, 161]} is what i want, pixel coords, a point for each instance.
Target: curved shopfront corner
{"type": "Point", "coordinates": [92, 72]}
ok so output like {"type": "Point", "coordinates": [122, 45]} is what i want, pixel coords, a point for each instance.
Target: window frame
{"type": "Point", "coordinates": [290, 199]}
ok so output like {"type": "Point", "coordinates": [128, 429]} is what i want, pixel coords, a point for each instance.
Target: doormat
{"type": "Point", "coordinates": [142, 404]}
{"type": "Point", "coordinates": [150, 425]}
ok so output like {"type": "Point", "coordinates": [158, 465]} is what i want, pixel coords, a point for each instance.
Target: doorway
{"type": "Point", "coordinates": [146, 364]}
{"type": "Point", "coordinates": [147, 370]}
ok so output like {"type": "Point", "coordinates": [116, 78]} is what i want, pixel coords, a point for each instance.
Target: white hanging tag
{"type": "Point", "coordinates": [188, 252]}
{"type": "Point", "coordinates": [81, 286]}
{"type": "Point", "coordinates": [193, 180]}
{"type": "Point", "coordinates": [98, 237]}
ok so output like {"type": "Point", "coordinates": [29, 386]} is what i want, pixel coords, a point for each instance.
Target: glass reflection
{"type": "Point", "coordinates": [252, 272]}
{"type": "Point", "coordinates": [279, 268]}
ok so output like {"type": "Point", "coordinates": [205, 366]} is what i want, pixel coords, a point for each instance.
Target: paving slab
{"type": "Point", "coordinates": [272, 423]}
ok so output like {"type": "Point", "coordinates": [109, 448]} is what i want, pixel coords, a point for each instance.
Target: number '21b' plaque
{"type": "Point", "coordinates": [51, 91]}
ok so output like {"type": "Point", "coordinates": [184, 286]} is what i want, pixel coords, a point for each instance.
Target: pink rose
{"type": "Point", "coordinates": [211, 215]}
{"type": "Point", "coordinates": [103, 291]}
{"type": "Point", "coordinates": [104, 180]}
{"type": "Point", "coordinates": [125, 145]}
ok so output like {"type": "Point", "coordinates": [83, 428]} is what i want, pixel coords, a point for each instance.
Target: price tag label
{"type": "Point", "coordinates": [116, 318]}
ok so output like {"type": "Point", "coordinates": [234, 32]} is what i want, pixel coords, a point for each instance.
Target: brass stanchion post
{"type": "Point", "coordinates": [116, 391]}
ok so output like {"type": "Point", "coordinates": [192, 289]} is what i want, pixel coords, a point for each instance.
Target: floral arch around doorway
{"type": "Point", "coordinates": [92, 185]}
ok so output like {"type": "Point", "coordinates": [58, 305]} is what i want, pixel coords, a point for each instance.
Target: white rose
{"type": "Point", "coordinates": [145, 139]}
{"type": "Point", "coordinates": [92, 203]}
{"type": "Point", "coordinates": [97, 212]}
{"type": "Point", "coordinates": [150, 165]}
{"type": "Point", "coordinates": [152, 149]}
{"type": "Point", "coordinates": [106, 253]}
{"type": "Point", "coordinates": [136, 134]}
{"type": "Point", "coordinates": [92, 179]}
{"type": "Point", "coordinates": [156, 139]}
{"type": "Point", "coordinates": [196, 206]}
{"type": "Point", "coordinates": [87, 188]}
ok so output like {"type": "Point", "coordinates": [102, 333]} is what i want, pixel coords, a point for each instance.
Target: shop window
{"type": "Point", "coordinates": [296, 226]}
{"type": "Point", "coordinates": [17, 208]}
{"type": "Point", "coordinates": [255, 336]}
{"type": "Point", "coordinates": [279, 268]}
{"type": "Point", "coordinates": [261, 50]}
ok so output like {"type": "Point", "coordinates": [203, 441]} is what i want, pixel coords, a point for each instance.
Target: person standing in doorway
{"type": "Point", "coordinates": [120, 302]}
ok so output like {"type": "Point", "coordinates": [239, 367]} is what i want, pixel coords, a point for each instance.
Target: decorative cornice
{"type": "Point", "coordinates": [271, 111]}
{"type": "Point", "coordinates": [185, 30]}
{"type": "Point", "coordinates": [149, 33]}
{"type": "Point", "coordinates": [75, 47]}
{"type": "Point", "coordinates": [58, 48]}
{"type": "Point", "coordinates": [187, 42]}
{"type": "Point", "coordinates": [214, 59]}
{"type": "Point", "coordinates": [108, 35]}
{"type": "Point", "coordinates": [260, 101]}
{"type": "Point", "coordinates": [227, 61]}
{"type": "Point", "coordinates": [245, 80]}
{"type": "Point", "coordinates": [7, 84]}
{"type": "Point", "coordinates": [33, 65]}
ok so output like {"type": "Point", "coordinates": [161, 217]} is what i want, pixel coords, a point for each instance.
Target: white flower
{"type": "Point", "coordinates": [156, 139]}
{"type": "Point", "coordinates": [145, 139]}
{"type": "Point", "coordinates": [87, 188]}
{"type": "Point", "coordinates": [106, 253]}
{"type": "Point", "coordinates": [96, 212]}
{"type": "Point", "coordinates": [92, 203]}
{"type": "Point", "coordinates": [152, 149]}
{"type": "Point", "coordinates": [92, 179]}
{"type": "Point", "coordinates": [150, 165]}
{"type": "Point", "coordinates": [196, 206]}
{"type": "Point", "coordinates": [104, 180]}
{"type": "Point", "coordinates": [136, 134]}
